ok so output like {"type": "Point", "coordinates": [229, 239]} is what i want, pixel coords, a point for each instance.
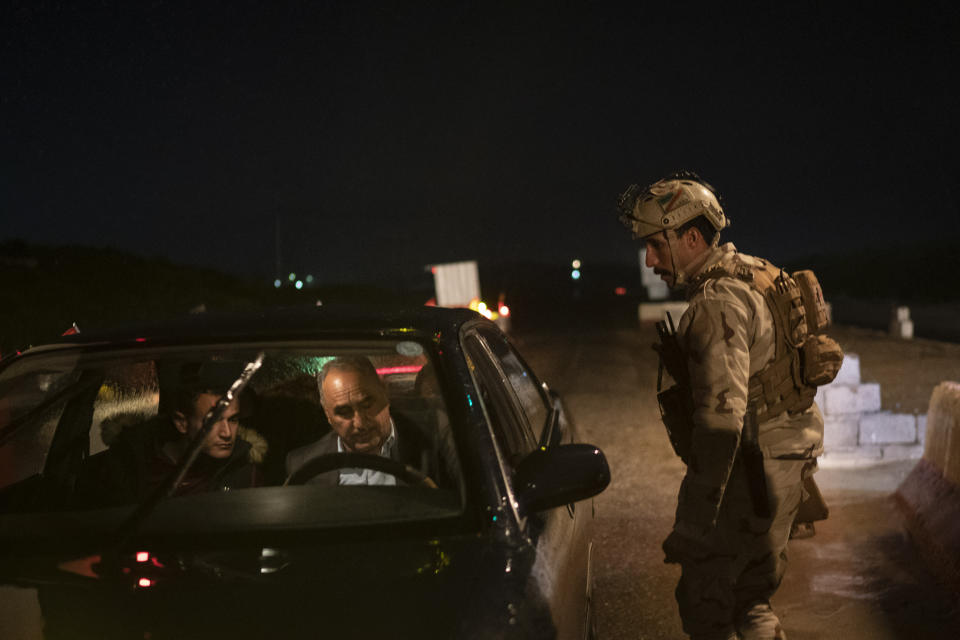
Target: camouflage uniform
{"type": "Point", "coordinates": [732, 560]}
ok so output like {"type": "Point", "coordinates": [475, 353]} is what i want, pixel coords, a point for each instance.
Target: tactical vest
{"type": "Point", "coordinates": [804, 358]}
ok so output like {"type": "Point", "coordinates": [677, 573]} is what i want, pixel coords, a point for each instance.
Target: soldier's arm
{"type": "Point", "coordinates": [715, 335]}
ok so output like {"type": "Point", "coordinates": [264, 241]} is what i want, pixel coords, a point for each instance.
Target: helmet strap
{"type": "Point", "coordinates": [679, 277]}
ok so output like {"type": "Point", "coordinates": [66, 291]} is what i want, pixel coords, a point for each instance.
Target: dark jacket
{"type": "Point", "coordinates": [413, 449]}
{"type": "Point", "coordinates": [134, 466]}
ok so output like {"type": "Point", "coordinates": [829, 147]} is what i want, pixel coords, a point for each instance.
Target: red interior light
{"type": "Point", "coordinates": [386, 371]}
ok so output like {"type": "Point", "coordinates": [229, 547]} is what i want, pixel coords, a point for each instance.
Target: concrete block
{"type": "Point", "coordinates": [657, 311]}
{"type": "Point", "coordinates": [657, 290]}
{"type": "Point", "coordinates": [847, 457]}
{"type": "Point", "coordinates": [902, 451]}
{"type": "Point", "coordinates": [849, 373]}
{"type": "Point", "coordinates": [868, 397]}
{"type": "Point", "coordinates": [901, 326]}
{"type": "Point", "coordinates": [888, 428]}
{"type": "Point", "coordinates": [841, 399]}
{"type": "Point", "coordinates": [840, 431]}
{"type": "Point", "coordinates": [902, 329]}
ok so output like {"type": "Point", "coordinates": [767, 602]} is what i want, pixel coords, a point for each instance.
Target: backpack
{"type": "Point", "coordinates": [804, 356]}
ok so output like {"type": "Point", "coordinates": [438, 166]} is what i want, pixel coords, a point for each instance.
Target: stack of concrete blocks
{"type": "Point", "coordinates": [856, 431]}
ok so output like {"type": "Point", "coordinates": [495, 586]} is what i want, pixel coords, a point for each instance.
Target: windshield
{"type": "Point", "coordinates": [323, 421]}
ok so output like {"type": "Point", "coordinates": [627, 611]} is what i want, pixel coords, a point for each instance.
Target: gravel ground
{"type": "Point", "coordinates": [907, 370]}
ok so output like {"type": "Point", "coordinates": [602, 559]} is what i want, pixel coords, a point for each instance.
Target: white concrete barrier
{"type": "Point", "coordinates": [657, 311]}
{"type": "Point", "coordinates": [943, 422]}
{"type": "Point", "coordinates": [930, 496]}
{"type": "Point", "coordinates": [901, 326]}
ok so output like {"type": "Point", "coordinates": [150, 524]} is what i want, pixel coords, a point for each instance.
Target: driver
{"type": "Point", "coordinates": [354, 399]}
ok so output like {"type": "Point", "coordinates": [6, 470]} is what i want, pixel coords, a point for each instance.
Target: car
{"type": "Point", "coordinates": [490, 538]}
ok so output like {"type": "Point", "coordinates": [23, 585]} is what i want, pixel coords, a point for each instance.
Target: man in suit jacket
{"type": "Point", "coordinates": [355, 401]}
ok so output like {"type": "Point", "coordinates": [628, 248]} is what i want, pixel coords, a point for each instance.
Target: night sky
{"type": "Point", "coordinates": [384, 137]}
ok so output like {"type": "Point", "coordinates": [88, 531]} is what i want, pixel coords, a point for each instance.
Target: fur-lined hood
{"type": "Point", "coordinates": [110, 429]}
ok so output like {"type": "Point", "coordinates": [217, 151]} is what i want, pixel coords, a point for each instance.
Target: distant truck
{"type": "Point", "coordinates": [457, 284]}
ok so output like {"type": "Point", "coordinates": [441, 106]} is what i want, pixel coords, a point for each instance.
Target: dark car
{"type": "Point", "coordinates": [488, 538]}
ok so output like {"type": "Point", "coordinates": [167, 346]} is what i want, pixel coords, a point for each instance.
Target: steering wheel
{"type": "Point", "coordinates": [330, 461]}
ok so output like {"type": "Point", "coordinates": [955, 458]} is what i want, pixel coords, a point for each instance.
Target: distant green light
{"type": "Point", "coordinates": [575, 274]}
{"type": "Point", "coordinates": [309, 278]}
{"type": "Point", "coordinates": [292, 277]}
{"type": "Point", "coordinates": [277, 283]}
{"type": "Point", "coordinates": [298, 284]}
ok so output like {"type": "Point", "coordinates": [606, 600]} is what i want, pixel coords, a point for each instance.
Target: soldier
{"type": "Point", "coordinates": [749, 430]}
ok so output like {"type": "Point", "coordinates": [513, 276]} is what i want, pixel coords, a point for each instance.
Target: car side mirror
{"type": "Point", "coordinates": [554, 476]}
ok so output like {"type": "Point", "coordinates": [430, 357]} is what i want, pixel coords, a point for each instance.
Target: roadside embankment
{"type": "Point", "coordinates": [930, 496]}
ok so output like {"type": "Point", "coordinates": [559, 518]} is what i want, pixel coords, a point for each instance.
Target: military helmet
{"type": "Point", "coordinates": [669, 203]}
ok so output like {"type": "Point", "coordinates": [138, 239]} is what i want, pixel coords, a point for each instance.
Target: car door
{"type": "Point", "coordinates": [522, 417]}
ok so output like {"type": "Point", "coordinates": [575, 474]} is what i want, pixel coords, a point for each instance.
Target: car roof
{"type": "Point", "coordinates": [283, 323]}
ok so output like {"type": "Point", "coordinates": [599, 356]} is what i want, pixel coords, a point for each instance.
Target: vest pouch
{"type": "Point", "coordinates": [786, 299]}
{"type": "Point", "coordinates": [814, 306]}
{"type": "Point", "coordinates": [821, 358]}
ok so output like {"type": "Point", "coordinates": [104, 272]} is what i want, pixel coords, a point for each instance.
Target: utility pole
{"type": "Point", "coordinates": [276, 225]}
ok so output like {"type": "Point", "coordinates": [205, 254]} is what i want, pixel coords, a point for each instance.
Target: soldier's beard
{"type": "Point", "coordinates": [665, 275]}
{"type": "Point", "coordinates": [669, 277]}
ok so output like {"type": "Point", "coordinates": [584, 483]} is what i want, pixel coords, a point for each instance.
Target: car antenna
{"type": "Point", "coordinates": [170, 483]}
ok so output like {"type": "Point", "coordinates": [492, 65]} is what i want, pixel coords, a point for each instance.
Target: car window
{"type": "Point", "coordinates": [509, 425]}
{"type": "Point", "coordinates": [529, 392]}
{"type": "Point", "coordinates": [89, 431]}
{"type": "Point", "coordinates": [31, 404]}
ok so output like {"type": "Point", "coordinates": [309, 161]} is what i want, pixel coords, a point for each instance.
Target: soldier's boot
{"type": "Point", "coordinates": [759, 622]}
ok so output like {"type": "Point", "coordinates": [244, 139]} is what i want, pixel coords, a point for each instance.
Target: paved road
{"type": "Point", "coordinates": [857, 579]}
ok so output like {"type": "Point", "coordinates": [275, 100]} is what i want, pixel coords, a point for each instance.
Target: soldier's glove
{"type": "Point", "coordinates": [686, 543]}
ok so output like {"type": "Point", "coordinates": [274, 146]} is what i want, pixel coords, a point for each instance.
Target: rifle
{"type": "Point", "coordinates": [676, 403]}
{"type": "Point", "coordinates": [752, 458]}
